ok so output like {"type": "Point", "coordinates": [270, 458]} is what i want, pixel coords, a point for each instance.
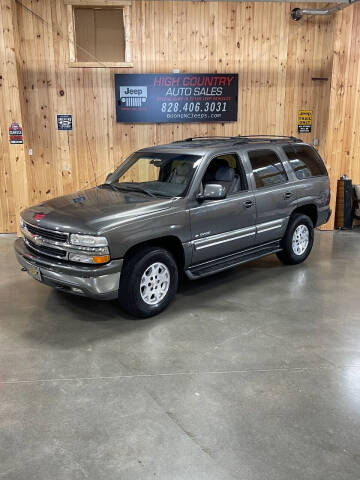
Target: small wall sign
{"type": "Point", "coordinates": [64, 122]}
{"type": "Point", "coordinates": [304, 121]}
{"type": "Point", "coordinates": [15, 133]}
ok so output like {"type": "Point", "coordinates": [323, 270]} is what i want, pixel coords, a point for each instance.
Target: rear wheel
{"type": "Point", "coordinates": [149, 282]}
{"type": "Point", "coordinates": [298, 240]}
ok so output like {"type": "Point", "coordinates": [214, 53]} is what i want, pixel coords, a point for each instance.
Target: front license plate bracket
{"type": "Point", "coordinates": [34, 272]}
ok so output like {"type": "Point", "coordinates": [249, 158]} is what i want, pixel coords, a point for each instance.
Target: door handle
{"type": "Point", "coordinates": [287, 195]}
{"type": "Point", "coordinates": [248, 203]}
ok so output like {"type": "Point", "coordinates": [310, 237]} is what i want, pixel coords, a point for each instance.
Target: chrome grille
{"type": "Point", "coordinates": [46, 242]}
{"type": "Point", "coordinates": [50, 234]}
{"type": "Point", "coordinates": [45, 250]}
{"type": "Point", "coordinates": [55, 244]}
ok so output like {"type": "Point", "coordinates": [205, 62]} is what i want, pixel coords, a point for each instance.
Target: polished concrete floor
{"type": "Point", "coordinates": [253, 374]}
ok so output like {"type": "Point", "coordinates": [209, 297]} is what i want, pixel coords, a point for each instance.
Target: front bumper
{"type": "Point", "coordinates": [100, 281]}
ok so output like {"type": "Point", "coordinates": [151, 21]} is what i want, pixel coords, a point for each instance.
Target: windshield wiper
{"type": "Point", "coordinates": [112, 186]}
{"type": "Point", "coordinates": [166, 195]}
{"type": "Point", "coordinates": [134, 188]}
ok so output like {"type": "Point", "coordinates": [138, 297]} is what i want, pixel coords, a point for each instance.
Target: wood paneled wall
{"type": "Point", "coordinates": [275, 57]}
{"type": "Point", "coordinates": [12, 157]}
{"type": "Point", "coordinates": [343, 152]}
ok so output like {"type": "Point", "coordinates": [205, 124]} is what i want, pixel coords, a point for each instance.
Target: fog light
{"type": "Point", "coordinates": [88, 258]}
{"type": "Point", "coordinates": [101, 259]}
{"type": "Point", "coordinates": [79, 257]}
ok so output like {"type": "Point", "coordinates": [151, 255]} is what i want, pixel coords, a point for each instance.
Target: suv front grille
{"type": "Point", "coordinates": [55, 244]}
{"type": "Point", "coordinates": [50, 234]}
{"type": "Point", "coordinates": [46, 242]}
{"type": "Point", "coordinates": [45, 250]}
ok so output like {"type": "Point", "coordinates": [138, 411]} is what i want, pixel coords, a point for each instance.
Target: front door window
{"type": "Point", "coordinates": [225, 170]}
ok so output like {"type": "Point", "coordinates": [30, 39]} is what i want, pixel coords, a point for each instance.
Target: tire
{"type": "Point", "coordinates": [148, 282]}
{"type": "Point", "coordinates": [299, 229]}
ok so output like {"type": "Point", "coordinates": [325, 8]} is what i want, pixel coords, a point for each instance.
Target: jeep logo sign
{"type": "Point", "coordinates": [176, 97]}
{"type": "Point", "coordinates": [133, 96]}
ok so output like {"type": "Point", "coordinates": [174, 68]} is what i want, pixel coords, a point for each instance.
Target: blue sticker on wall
{"type": "Point", "coordinates": [64, 122]}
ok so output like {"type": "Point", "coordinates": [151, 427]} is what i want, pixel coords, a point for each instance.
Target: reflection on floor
{"type": "Point", "coordinates": [252, 374]}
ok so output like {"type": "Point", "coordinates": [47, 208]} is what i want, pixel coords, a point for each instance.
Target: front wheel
{"type": "Point", "coordinates": [149, 282]}
{"type": "Point", "coordinates": [298, 240]}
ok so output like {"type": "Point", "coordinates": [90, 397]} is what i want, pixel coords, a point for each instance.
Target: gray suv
{"type": "Point", "coordinates": [199, 206]}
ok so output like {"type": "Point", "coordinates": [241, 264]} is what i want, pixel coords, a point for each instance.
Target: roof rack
{"type": "Point", "coordinates": [240, 139]}
{"type": "Point", "coordinates": [270, 137]}
{"type": "Point", "coordinates": [266, 138]}
{"type": "Point", "coordinates": [213, 137]}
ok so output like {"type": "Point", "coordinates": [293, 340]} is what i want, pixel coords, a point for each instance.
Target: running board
{"type": "Point", "coordinates": [229, 261]}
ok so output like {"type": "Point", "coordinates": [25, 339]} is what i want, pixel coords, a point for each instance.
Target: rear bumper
{"type": "Point", "coordinates": [323, 216]}
{"type": "Point", "coordinates": [101, 282]}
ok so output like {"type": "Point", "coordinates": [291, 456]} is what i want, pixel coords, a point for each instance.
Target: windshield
{"type": "Point", "coordinates": [156, 174]}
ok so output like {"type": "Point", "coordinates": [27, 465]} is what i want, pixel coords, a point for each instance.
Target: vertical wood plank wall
{"type": "Point", "coordinates": [13, 175]}
{"type": "Point", "coordinates": [275, 57]}
{"type": "Point", "coordinates": [343, 152]}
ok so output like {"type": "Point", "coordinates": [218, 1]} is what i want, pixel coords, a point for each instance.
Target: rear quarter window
{"type": "Point", "coordinates": [267, 168]}
{"type": "Point", "coordinates": [304, 161]}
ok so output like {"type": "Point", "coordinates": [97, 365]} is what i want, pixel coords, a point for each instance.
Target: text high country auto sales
{"type": "Point", "coordinates": [193, 85]}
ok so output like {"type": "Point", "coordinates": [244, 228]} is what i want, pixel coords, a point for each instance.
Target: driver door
{"type": "Point", "coordinates": [223, 227]}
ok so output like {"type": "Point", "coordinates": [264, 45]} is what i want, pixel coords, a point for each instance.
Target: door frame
{"type": "Point", "coordinates": [207, 240]}
{"type": "Point", "coordinates": [276, 224]}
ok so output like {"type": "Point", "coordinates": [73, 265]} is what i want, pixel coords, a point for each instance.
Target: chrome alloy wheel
{"type": "Point", "coordinates": [155, 283]}
{"type": "Point", "coordinates": [300, 239]}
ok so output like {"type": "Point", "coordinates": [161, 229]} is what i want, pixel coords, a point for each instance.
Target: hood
{"type": "Point", "coordinates": [93, 211]}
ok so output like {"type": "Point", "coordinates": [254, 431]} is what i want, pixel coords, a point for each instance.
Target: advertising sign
{"type": "Point", "coordinates": [176, 98]}
{"type": "Point", "coordinates": [304, 121]}
{"type": "Point", "coordinates": [15, 133]}
{"type": "Point", "coordinates": [64, 122]}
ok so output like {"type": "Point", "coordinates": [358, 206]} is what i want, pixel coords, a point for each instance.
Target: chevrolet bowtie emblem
{"type": "Point", "coordinates": [37, 240]}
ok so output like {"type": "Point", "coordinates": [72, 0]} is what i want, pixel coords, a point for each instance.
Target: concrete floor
{"type": "Point", "coordinates": [253, 374]}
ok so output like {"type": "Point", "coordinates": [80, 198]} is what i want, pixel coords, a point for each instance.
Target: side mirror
{"type": "Point", "coordinates": [213, 191]}
{"type": "Point", "coordinates": [108, 176]}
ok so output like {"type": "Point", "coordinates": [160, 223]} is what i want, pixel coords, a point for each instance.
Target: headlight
{"type": "Point", "coordinates": [22, 223]}
{"type": "Point", "coordinates": [88, 240]}
{"type": "Point", "coordinates": [92, 249]}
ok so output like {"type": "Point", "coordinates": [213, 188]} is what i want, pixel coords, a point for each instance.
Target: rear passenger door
{"type": "Point", "coordinates": [275, 195]}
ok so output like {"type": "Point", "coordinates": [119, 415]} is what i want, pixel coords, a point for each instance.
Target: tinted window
{"type": "Point", "coordinates": [305, 161]}
{"type": "Point", "coordinates": [267, 168]}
